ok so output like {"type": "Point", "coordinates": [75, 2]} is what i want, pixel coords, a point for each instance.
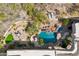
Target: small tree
{"type": "Point", "coordinates": [65, 21]}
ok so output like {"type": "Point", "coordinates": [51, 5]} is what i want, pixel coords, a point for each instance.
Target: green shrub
{"type": "Point", "coordinates": [66, 21]}
{"type": "Point", "coordinates": [2, 16]}
{"type": "Point", "coordinates": [41, 42]}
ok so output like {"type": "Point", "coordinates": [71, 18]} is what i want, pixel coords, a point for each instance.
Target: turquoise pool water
{"type": "Point", "coordinates": [48, 37]}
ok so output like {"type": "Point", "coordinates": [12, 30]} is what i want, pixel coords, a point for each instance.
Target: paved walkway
{"type": "Point", "coordinates": [17, 30]}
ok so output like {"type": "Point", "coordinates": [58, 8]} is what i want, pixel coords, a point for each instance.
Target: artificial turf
{"type": "Point", "coordinates": [9, 38]}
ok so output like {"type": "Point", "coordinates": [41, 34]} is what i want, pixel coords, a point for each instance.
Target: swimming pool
{"type": "Point", "coordinates": [48, 37]}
